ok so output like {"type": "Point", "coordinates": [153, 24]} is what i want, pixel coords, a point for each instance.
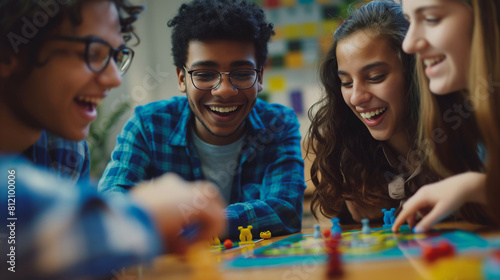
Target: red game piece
{"type": "Point", "coordinates": [327, 233]}
{"type": "Point", "coordinates": [228, 244]}
{"type": "Point", "coordinates": [435, 252]}
{"type": "Point", "coordinates": [334, 266]}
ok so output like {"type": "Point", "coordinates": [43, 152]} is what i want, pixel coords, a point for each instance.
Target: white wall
{"type": "Point", "coordinates": [152, 75]}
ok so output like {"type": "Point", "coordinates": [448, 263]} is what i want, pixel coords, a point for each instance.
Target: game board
{"type": "Point", "coordinates": [236, 246]}
{"type": "Point", "coordinates": [380, 244]}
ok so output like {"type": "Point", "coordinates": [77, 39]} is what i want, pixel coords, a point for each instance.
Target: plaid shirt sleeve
{"type": "Point", "coordinates": [129, 160]}
{"type": "Point", "coordinates": [272, 177]}
{"type": "Point", "coordinates": [61, 232]}
{"type": "Point", "coordinates": [68, 159]}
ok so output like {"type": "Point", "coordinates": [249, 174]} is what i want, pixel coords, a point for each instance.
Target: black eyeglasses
{"type": "Point", "coordinates": [98, 52]}
{"type": "Point", "coordinates": [210, 79]}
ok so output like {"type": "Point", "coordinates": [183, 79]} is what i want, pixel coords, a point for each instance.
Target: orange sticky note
{"type": "Point", "coordinates": [294, 60]}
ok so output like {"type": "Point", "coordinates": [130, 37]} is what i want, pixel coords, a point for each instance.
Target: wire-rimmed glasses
{"type": "Point", "coordinates": [206, 79]}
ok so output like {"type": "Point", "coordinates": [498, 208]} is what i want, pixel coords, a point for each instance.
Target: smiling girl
{"type": "Point", "coordinates": [457, 43]}
{"type": "Point", "coordinates": [363, 131]}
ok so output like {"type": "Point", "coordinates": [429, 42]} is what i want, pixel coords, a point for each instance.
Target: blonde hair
{"type": "Point", "coordinates": [459, 151]}
{"type": "Point", "coordinates": [484, 80]}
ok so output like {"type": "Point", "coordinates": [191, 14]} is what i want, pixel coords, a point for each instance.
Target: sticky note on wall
{"type": "Point", "coordinates": [297, 101]}
{"type": "Point", "coordinates": [288, 3]}
{"type": "Point", "coordinates": [291, 31]}
{"type": "Point", "coordinates": [277, 83]}
{"type": "Point", "coordinates": [294, 59]}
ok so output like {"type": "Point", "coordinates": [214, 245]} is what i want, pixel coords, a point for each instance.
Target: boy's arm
{"type": "Point", "coordinates": [129, 159]}
{"type": "Point", "coordinates": [62, 231]}
{"type": "Point", "coordinates": [275, 204]}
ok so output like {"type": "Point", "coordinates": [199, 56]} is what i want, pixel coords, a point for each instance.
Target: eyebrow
{"type": "Point", "coordinates": [209, 63]}
{"type": "Point", "coordinates": [366, 67]}
{"type": "Point", "coordinates": [423, 9]}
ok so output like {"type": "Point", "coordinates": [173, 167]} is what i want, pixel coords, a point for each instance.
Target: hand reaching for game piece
{"type": "Point", "coordinates": [438, 200]}
{"type": "Point", "coordinates": [174, 204]}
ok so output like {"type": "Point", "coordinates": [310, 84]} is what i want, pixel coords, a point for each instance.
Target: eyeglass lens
{"type": "Point", "coordinates": [98, 55]}
{"type": "Point", "coordinates": [209, 79]}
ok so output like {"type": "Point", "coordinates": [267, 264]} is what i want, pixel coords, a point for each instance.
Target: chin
{"type": "Point", "coordinates": [379, 137]}
{"type": "Point", "coordinates": [74, 136]}
{"type": "Point", "coordinates": [440, 89]}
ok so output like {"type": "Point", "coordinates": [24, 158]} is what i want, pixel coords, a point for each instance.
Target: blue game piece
{"type": "Point", "coordinates": [317, 232]}
{"type": "Point", "coordinates": [389, 217]}
{"type": "Point", "coordinates": [336, 230]}
{"type": "Point", "coordinates": [365, 229]}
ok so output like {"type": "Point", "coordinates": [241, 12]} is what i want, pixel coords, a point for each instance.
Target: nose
{"type": "Point", "coordinates": [414, 42]}
{"type": "Point", "coordinates": [359, 94]}
{"type": "Point", "coordinates": [110, 77]}
{"type": "Point", "coordinates": [225, 88]}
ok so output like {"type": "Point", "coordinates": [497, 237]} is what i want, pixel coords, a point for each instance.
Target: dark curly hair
{"type": "Point", "coordinates": [45, 17]}
{"type": "Point", "coordinates": [203, 20]}
{"type": "Point", "coordinates": [348, 163]}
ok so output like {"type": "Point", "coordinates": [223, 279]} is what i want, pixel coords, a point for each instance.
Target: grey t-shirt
{"type": "Point", "coordinates": [219, 164]}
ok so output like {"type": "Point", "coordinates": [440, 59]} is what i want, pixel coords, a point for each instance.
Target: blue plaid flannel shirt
{"type": "Point", "coordinates": [268, 186]}
{"type": "Point", "coordinates": [68, 159]}
{"type": "Point", "coordinates": [58, 231]}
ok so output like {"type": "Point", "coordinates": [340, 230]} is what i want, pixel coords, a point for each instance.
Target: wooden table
{"type": "Point", "coordinates": [172, 267]}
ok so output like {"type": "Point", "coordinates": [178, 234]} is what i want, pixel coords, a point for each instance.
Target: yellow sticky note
{"type": "Point", "coordinates": [292, 31]}
{"type": "Point", "coordinates": [277, 83]}
{"type": "Point", "coordinates": [309, 29]}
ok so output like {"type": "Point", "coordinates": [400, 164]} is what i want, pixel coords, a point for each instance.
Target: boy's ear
{"type": "Point", "coordinates": [260, 80]}
{"type": "Point", "coordinates": [181, 79]}
{"type": "Point", "coordinates": [8, 64]}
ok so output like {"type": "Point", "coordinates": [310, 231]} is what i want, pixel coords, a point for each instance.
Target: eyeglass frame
{"type": "Point", "coordinates": [91, 39]}
{"type": "Point", "coordinates": [190, 72]}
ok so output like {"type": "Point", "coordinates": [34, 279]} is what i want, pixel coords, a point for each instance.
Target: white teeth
{"type": "Point", "coordinates": [223, 109]}
{"type": "Point", "coordinates": [431, 61]}
{"type": "Point", "coordinates": [368, 115]}
{"type": "Point", "coordinates": [94, 100]}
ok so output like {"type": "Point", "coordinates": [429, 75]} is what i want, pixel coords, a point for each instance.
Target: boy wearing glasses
{"type": "Point", "coordinates": [57, 63]}
{"type": "Point", "coordinates": [220, 131]}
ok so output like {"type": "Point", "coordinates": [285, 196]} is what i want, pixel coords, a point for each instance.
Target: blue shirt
{"type": "Point", "coordinates": [68, 159]}
{"type": "Point", "coordinates": [54, 230]}
{"type": "Point", "coordinates": [268, 185]}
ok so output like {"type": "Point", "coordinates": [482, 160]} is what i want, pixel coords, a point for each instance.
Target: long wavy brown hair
{"type": "Point", "coordinates": [348, 164]}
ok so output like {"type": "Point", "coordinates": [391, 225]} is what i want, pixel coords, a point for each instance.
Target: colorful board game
{"type": "Point", "coordinates": [354, 246]}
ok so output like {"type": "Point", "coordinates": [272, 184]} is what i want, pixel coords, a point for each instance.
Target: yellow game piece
{"type": "Point", "coordinates": [202, 263]}
{"type": "Point", "coordinates": [245, 235]}
{"type": "Point", "coordinates": [265, 234]}
{"type": "Point", "coordinates": [215, 241]}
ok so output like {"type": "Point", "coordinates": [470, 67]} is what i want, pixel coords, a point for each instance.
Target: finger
{"type": "Point", "coordinates": [410, 208]}
{"type": "Point", "coordinates": [433, 217]}
{"type": "Point", "coordinates": [411, 221]}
